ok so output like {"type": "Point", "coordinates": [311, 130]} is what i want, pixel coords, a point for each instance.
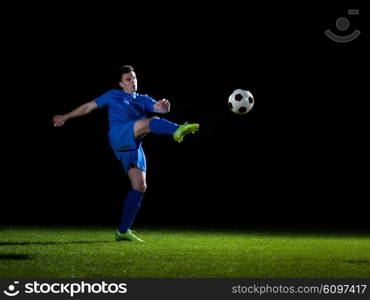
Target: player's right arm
{"type": "Point", "coordinates": [82, 110]}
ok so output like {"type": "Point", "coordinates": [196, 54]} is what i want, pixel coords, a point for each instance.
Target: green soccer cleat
{"type": "Point", "coordinates": [128, 236]}
{"type": "Point", "coordinates": [183, 130]}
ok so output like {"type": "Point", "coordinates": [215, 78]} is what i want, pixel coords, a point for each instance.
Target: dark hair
{"type": "Point", "coordinates": [125, 69]}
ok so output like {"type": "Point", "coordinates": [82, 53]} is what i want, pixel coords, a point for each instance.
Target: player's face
{"type": "Point", "coordinates": [129, 82]}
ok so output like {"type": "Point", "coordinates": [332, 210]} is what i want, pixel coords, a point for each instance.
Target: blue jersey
{"type": "Point", "coordinates": [124, 110]}
{"type": "Point", "coordinates": [125, 107]}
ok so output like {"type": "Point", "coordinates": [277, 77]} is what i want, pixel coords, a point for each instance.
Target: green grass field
{"type": "Point", "coordinates": [76, 252]}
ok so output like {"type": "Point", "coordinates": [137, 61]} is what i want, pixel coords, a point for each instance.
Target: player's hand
{"type": "Point", "coordinates": [59, 120]}
{"type": "Point", "coordinates": [163, 106]}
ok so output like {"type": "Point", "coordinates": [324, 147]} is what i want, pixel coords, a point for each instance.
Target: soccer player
{"type": "Point", "coordinates": [128, 124]}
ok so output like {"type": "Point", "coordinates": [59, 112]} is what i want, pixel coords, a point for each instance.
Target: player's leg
{"type": "Point", "coordinates": [142, 127]}
{"type": "Point", "coordinates": [154, 124]}
{"type": "Point", "coordinates": [163, 126]}
{"type": "Point", "coordinates": [138, 179]}
{"type": "Point", "coordinates": [132, 204]}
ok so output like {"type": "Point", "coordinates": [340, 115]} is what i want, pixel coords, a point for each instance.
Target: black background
{"type": "Point", "coordinates": [297, 159]}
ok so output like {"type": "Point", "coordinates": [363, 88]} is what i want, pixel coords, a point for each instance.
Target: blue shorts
{"type": "Point", "coordinates": [127, 149]}
{"type": "Point", "coordinates": [132, 159]}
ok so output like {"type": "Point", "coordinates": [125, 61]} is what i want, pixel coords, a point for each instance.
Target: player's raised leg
{"type": "Point", "coordinates": [163, 126]}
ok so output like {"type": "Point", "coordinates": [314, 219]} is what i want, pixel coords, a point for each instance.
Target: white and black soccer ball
{"type": "Point", "coordinates": [241, 101]}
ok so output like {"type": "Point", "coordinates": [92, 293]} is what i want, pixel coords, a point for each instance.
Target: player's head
{"type": "Point", "coordinates": [127, 79]}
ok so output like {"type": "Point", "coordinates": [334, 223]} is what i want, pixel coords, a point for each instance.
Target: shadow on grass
{"type": "Point", "coordinates": [51, 243]}
{"type": "Point", "coordinates": [358, 261]}
{"type": "Point", "coordinates": [277, 231]}
{"type": "Point", "coordinates": [11, 256]}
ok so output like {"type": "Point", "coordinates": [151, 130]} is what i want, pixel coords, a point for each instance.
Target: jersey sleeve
{"type": "Point", "coordinates": [103, 100]}
{"type": "Point", "coordinates": [149, 103]}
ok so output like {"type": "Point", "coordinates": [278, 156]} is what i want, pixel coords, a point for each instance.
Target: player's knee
{"type": "Point", "coordinates": [150, 119]}
{"type": "Point", "coordinates": [139, 186]}
{"type": "Point", "coordinates": [142, 127]}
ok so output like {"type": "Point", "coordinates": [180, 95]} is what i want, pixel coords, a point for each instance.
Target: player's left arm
{"type": "Point", "coordinates": [162, 106]}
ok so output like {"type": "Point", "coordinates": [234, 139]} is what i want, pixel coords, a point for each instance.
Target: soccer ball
{"type": "Point", "coordinates": [241, 101]}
